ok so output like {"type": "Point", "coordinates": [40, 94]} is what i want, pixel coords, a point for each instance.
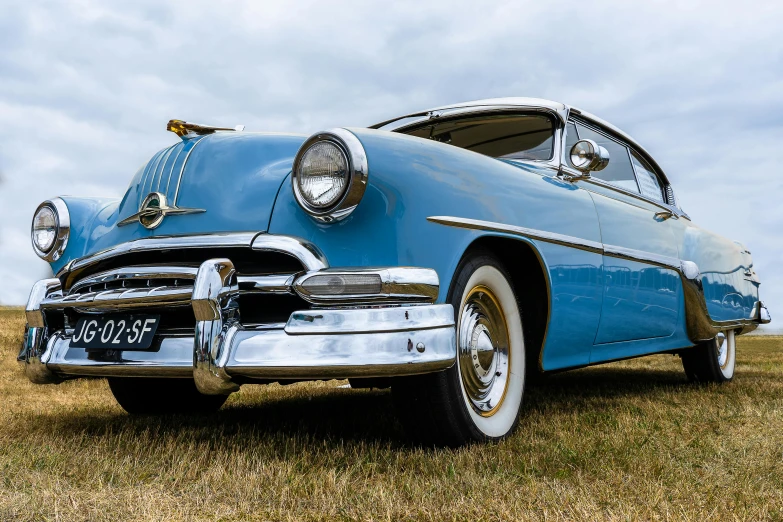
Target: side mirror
{"type": "Point", "coordinates": [587, 156]}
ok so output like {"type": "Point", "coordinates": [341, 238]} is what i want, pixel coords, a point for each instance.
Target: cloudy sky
{"type": "Point", "coordinates": [87, 87]}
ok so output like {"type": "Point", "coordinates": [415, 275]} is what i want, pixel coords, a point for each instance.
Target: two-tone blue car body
{"type": "Point", "coordinates": [446, 253]}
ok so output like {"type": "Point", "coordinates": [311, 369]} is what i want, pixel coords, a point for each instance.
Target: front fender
{"type": "Point", "coordinates": [411, 179]}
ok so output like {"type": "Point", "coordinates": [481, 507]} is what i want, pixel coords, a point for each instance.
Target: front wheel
{"type": "Point", "coordinates": [154, 396]}
{"type": "Point", "coordinates": [713, 360]}
{"type": "Point", "coordinates": [480, 397]}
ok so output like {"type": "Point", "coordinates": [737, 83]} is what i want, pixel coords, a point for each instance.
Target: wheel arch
{"type": "Point", "coordinates": [530, 281]}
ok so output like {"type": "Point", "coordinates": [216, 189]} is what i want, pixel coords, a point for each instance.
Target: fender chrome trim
{"type": "Point", "coordinates": [700, 326]}
{"type": "Point", "coordinates": [530, 233]}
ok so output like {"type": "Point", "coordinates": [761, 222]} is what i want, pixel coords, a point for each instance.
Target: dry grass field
{"type": "Point", "coordinates": [625, 441]}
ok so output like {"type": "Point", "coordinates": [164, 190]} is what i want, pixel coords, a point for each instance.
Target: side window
{"type": "Point", "coordinates": [649, 184]}
{"type": "Point", "coordinates": [619, 170]}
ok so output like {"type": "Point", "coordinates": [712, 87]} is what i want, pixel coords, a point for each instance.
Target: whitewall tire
{"type": "Point", "coordinates": [713, 360]}
{"type": "Point", "coordinates": [480, 397]}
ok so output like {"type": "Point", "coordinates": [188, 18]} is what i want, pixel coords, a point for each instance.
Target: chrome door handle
{"type": "Point", "coordinates": [664, 215]}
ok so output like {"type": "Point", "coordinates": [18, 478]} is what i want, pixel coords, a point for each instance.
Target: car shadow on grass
{"type": "Point", "coordinates": [360, 416]}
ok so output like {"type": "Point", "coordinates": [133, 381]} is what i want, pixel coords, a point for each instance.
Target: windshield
{"type": "Point", "coordinates": [507, 136]}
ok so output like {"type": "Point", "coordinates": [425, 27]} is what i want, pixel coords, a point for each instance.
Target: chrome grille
{"type": "Point", "coordinates": [136, 277]}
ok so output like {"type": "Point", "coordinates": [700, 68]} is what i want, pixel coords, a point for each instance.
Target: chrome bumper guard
{"type": "Point", "coordinates": [372, 339]}
{"type": "Point", "coordinates": [763, 314]}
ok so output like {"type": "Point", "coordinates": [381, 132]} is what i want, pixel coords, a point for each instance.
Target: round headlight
{"type": "Point", "coordinates": [44, 229]}
{"type": "Point", "coordinates": [50, 229]}
{"type": "Point", "coordinates": [323, 174]}
{"type": "Point", "coordinates": [330, 174]}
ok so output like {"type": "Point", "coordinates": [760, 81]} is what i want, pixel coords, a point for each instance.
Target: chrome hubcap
{"type": "Point", "coordinates": [483, 351]}
{"type": "Point", "coordinates": [723, 349]}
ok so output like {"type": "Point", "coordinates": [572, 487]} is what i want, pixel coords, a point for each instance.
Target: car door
{"type": "Point", "coordinates": [641, 298]}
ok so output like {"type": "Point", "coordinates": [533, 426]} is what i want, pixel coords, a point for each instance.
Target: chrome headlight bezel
{"type": "Point", "coordinates": [354, 152]}
{"type": "Point", "coordinates": [62, 231]}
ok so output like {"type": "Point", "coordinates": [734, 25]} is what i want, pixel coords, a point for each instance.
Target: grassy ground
{"type": "Point", "coordinates": [625, 441]}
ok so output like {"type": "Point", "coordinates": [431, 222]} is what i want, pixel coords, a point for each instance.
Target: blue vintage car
{"type": "Point", "coordinates": [446, 253]}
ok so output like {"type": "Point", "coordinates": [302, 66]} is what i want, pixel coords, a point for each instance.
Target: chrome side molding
{"type": "Point", "coordinates": [700, 326]}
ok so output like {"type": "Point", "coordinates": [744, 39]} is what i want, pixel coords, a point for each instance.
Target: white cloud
{"type": "Point", "coordinates": [86, 89]}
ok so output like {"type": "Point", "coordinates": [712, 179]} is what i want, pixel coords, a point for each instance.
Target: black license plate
{"type": "Point", "coordinates": [115, 332]}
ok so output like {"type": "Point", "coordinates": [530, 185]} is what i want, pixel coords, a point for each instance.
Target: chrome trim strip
{"type": "Point", "coordinates": [143, 179]}
{"type": "Point", "coordinates": [171, 169]}
{"type": "Point", "coordinates": [184, 164]}
{"type": "Point", "coordinates": [151, 175]}
{"type": "Point", "coordinates": [398, 284]}
{"type": "Point", "coordinates": [631, 254]}
{"type": "Point", "coordinates": [605, 184]}
{"type": "Point", "coordinates": [700, 325]}
{"type": "Point", "coordinates": [477, 106]}
{"type": "Point", "coordinates": [530, 233]}
{"type": "Point", "coordinates": [307, 253]}
{"type": "Point", "coordinates": [162, 166]}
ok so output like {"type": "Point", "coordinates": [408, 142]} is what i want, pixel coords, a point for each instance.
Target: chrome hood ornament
{"type": "Point", "coordinates": [185, 129]}
{"type": "Point", "coordinates": [153, 209]}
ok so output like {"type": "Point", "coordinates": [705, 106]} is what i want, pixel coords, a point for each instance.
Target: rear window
{"type": "Point", "coordinates": [649, 184]}
{"type": "Point", "coordinates": [518, 137]}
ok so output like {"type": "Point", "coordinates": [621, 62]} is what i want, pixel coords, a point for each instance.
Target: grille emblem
{"type": "Point", "coordinates": [153, 209]}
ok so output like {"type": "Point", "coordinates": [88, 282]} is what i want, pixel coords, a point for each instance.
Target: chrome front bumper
{"type": "Point", "coordinates": [321, 343]}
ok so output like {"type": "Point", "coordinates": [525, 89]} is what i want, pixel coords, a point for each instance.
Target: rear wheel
{"type": "Point", "coordinates": [480, 397]}
{"type": "Point", "coordinates": [713, 360]}
{"type": "Point", "coordinates": [143, 396]}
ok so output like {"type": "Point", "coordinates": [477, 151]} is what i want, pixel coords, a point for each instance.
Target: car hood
{"type": "Point", "coordinates": [232, 178]}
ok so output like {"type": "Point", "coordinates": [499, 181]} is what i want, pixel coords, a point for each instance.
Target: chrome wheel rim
{"type": "Point", "coordinates": [483, 351]}
{"type": "Point", "coordinates": [723, 349]}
